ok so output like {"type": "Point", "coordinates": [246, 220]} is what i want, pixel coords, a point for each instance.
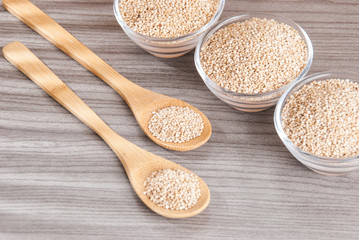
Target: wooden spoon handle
{"type": "Point", "coordinates": [57, 35]}
{"type": "Point", "coordinates": [20, 56]}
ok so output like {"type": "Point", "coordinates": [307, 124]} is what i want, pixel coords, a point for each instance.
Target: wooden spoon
{"type": "Point", "coordinates": [141, 101]}
{"type": "Point", "coordinates": [138, 163]}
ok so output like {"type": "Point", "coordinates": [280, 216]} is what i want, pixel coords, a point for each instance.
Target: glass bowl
{"type": "Point", "coordinates": [166, 47]}
{"type": "Point", "coordinates": [258, 101]}
{"type": "Point", "coordinates": [323, 165]}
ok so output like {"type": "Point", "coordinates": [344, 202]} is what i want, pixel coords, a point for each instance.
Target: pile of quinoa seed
{"type": "Point", "coordinates": [176, 124]}
{"type": "Point", "coordinates": [167, 18]}
{"type": "Point", "coordinates": [322, 118]}
{"type": "Point", "coordinates": [173, 189]}
{"type": "Point", "coordinates": [254, 56]}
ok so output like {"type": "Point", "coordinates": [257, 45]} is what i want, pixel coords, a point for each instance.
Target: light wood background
{"type": "Point", "coordinates": [58, 180]}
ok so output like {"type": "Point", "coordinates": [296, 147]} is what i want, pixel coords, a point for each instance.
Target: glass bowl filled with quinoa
{"type": "Point", "coordinates": [167, 28]}
{"type": "Point", "coordinates": [248, 61]}
{"type": "Point", "coordinates": [317, 119]}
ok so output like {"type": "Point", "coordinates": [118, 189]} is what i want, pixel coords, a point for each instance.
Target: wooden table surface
{"type": "Point", "coordinates": [59, 180]}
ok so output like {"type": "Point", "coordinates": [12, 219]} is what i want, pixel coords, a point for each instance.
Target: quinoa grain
{"type": "Point", "coordinates": [322, 118]}
{"type": "Point", "coordinates": [254, 56]}
{"type": "Point", "coordinates": [173, 189]}
{"type": "Point", "coordinates": [176, 124]}
{"type": "Point", "coordinates": [167, 18]}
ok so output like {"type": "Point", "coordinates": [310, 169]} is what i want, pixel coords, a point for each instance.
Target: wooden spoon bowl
{"type": "Point", "coordinates": [138, 163]}
{"type": "Point", "coordinates": [157, 163]}
{"type": "Point", "coordinates": [165, 102]}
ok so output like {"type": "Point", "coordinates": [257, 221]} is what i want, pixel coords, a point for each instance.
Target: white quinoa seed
{"type": "Point", "coordinates": [167, 18]}
{"type": "Point", "coordinates": [254, 56]}
{"type": "Point", "coordinates": [322, 118]}
{"type": "Point", "coordinates": [173, 189]}
{"type": "Point", "coordinates": [176, 124]}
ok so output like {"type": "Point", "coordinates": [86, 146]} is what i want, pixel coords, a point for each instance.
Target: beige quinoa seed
{"type": "Point", "coordinates": [176, 124]}
{"type": "Point", "coordinates": [173, 189]}
{"type": "Point", "coordinates": [322, 118]}
{"type": "Point", "coordinates": [167, 18]}
{"type": "Point", "coordinates": [254, 56]}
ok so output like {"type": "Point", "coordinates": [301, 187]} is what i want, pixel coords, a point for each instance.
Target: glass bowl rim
{"type": "Point", "coordinates": [116, 8]}
{"type": "Point", "coordinates": [279, 127]}
{"type": "Point", "coordinates": [238, 18]}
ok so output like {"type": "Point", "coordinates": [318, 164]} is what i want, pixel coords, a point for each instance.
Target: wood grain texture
{"type": "Point", "coordinates": [67, 184]}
